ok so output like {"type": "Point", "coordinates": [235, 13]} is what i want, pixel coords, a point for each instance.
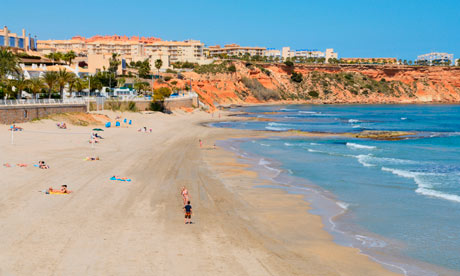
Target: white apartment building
{"type": "Point", "coordinates": [286, 52]}
{"type": "Point", "coordinates": [272, 52]}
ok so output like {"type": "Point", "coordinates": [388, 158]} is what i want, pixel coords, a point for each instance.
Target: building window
{"type": "Point", "coordinates": [25, 113]}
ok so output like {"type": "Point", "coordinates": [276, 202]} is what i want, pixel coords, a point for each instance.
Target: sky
{"type": "Point", "coordinates": [354, 28]}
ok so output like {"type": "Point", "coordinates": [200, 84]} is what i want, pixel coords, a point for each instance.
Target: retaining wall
{"type": "Point", "coordinates": [21, 114]}
{"type": "Point", "coordinates": [171, 104]}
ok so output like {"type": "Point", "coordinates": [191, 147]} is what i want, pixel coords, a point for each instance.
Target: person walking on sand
{"type": "Point", "coordinates": [201, 143]}
{"type": "Point", "coordinates": [185, 195]}
{"type": "Point", "coordinates": [188, 213]}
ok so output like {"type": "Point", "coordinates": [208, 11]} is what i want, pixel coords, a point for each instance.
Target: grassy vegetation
{"type": "Point", "coordinates": [213, 68]}
{"type": "Point", "coordinates": [323, 84]}
{"type": "Point", "coordinates": [259, 91]}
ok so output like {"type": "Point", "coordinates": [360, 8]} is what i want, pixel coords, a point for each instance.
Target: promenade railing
{"type": "Point", "coordinates": [42, 102]}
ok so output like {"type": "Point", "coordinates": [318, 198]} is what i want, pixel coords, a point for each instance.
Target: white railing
{"type": "Point", "coordinates": [41, 102]}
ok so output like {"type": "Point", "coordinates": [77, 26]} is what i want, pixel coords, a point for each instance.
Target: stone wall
{"type": "Point", "coordinates": [121, 105]}
{"type": "Point", "coordinates": [21, 114]}
{"type": "Point", "coordinates": [171, 104]}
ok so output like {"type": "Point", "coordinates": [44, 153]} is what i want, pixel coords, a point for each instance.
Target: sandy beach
{"type": "Point", "coordinates": [137, 228]}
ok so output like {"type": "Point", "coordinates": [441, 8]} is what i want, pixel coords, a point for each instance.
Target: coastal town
{"type": "Point", "coordinates": [126, 67]}
{"type": "Point", "coordinates": [229, 138]}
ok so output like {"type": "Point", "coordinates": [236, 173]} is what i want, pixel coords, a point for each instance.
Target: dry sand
{"type": "Point", "coordinates": [137, 228]}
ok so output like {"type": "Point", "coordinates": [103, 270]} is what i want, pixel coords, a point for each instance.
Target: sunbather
{"type": "Point", "coordinates": [92, 158]}
{"type": "Point", "coordinates": [8, 165]}
{"type": "Point", "coordinates": [42, 165]}
{"type": "Point", "coordinates": [22, 165]}
{"type": "Point", "coordinates": [62, 190]}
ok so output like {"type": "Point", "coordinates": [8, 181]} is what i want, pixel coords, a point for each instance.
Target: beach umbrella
{"type": "Point", "coordinates": [98, 129]}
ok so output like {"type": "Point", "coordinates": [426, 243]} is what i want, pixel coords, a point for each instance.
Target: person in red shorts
{"type": "Point", "coordinates": [188, 213]}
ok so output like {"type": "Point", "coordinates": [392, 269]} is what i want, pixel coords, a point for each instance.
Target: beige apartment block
{"type": "Point", "coordinates": [98, 50]}
{"type": "Point", "coordinates": [235, 50]}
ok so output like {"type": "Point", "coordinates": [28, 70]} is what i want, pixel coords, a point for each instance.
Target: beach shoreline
{"type": "Point", "coordinates": [119, 228]}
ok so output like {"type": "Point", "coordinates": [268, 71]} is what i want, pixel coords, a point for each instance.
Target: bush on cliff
{"type": "Point", "coordinates": [212, 68]}
{"type": "Point", "coordinates": [259, 91]}
{"type": "Point", "coordinates": [313, 94]}
{"type": "Point", "coordinates": [296, 77]}
{"type": "Point", "coordinates": [289, 63]}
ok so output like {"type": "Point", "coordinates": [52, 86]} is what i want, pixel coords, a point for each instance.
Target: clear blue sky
{"type": "Point", "coordinates": [354, 28]}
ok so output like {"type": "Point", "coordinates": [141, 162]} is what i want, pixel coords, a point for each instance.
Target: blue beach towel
{"type": "Point", "coordinates": [119, 179]}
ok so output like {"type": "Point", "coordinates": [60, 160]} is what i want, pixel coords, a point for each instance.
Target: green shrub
{"type": "Point", "coordinates": [289, 63]}
{"type": "Point", "coordinates": [161, 93]}
{"type": "Point", "coordinates": [296, 77]}
{"type": "Point", "coordinates": [132, 106]}
{"type": "Point", "coordinates": [156, 106]}
{"type": "Point", "coordinates": [313, 94]}
{"type": "Point", "coordinates": [168, 78]}
{"type": "Point", "coordinates": [171, 71]}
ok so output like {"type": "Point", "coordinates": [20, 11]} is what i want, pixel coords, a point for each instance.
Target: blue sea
{"type": "Point", "coordinates": [399, 201]}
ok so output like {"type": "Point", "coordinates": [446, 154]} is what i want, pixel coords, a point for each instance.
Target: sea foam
{"type": "Point", "coordinates": [359, 146]}
{"type": "Point", "coordinates": [423, 187]}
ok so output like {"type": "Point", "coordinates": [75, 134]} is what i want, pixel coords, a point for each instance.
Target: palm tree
{"type": "Point", "coordinates": [20, 83]}
{"type": "Point", "coordinates": [36, 85]}
{"type": "Point", "coordinates": [69, 56]}
{"type": "Point", "coordinates": [63, 78]}
{"type": "Point", "coordinates": [114, 63]}
{"type": "Point", "coordinates": [158, 64]}
{"type": "Point", "coordinates": [80, 84]}
{"type": "Point", "coordinates": [72, 81]}
{"type": "Point", "coordinates": [8, 64]}
{"type": "Point", "coordinates": [50, 79]}
{"type": "Point", "coordinates": [56, 57]}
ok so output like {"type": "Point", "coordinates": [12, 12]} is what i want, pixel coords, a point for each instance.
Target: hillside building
{"type": "Point", "coordinates": [286, 52]}
{"type": "Point", "coordinates": [17, 42]}
{"type": "Point", "coordinates": [98, 50]}
{"type": "Point", "coordinates": [235, 50]}
{"type": "Point", "coordinates": [435, 58]}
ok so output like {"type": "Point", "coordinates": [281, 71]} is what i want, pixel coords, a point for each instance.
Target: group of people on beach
{"type": "Point", "coordinates": [61, 125]}
{"type": "Point", "coordinates": [187, 207]}
{"type": "Point", "coordinates": [201, 144]}
{"type": "Point", "coordinates": [144, 129]}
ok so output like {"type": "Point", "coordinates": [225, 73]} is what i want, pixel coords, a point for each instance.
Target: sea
{"type": "Point", "coordinates": [398, 201]}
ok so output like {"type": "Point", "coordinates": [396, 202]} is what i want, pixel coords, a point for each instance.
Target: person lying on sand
{"type": "Point", "coordinates": [185, 195]}
{"type": "Point", "coordinates": [92, 158]}
{"type": "Point", "coordinates": [15, 128]}
{"type": "Point", "coordinates": [42, 165]}
{"type": "Point", "coordinates": [98, 136]}
{"type": "Point", "coordinates": [62, 125]}
{"type": "Point", "coordinates": [188, 213]}
{"type": "Point", "coordinates": [62, 190]}
{"type": "Point", "coordinates": [22, 165]}
{"type": "Point", "coordinates": [120, 178]}
{"type": "Point", "coordinates": [8, 165]}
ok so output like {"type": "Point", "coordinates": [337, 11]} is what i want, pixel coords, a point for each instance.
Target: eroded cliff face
{"type": "Point", "coordinates": [329, 84]}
